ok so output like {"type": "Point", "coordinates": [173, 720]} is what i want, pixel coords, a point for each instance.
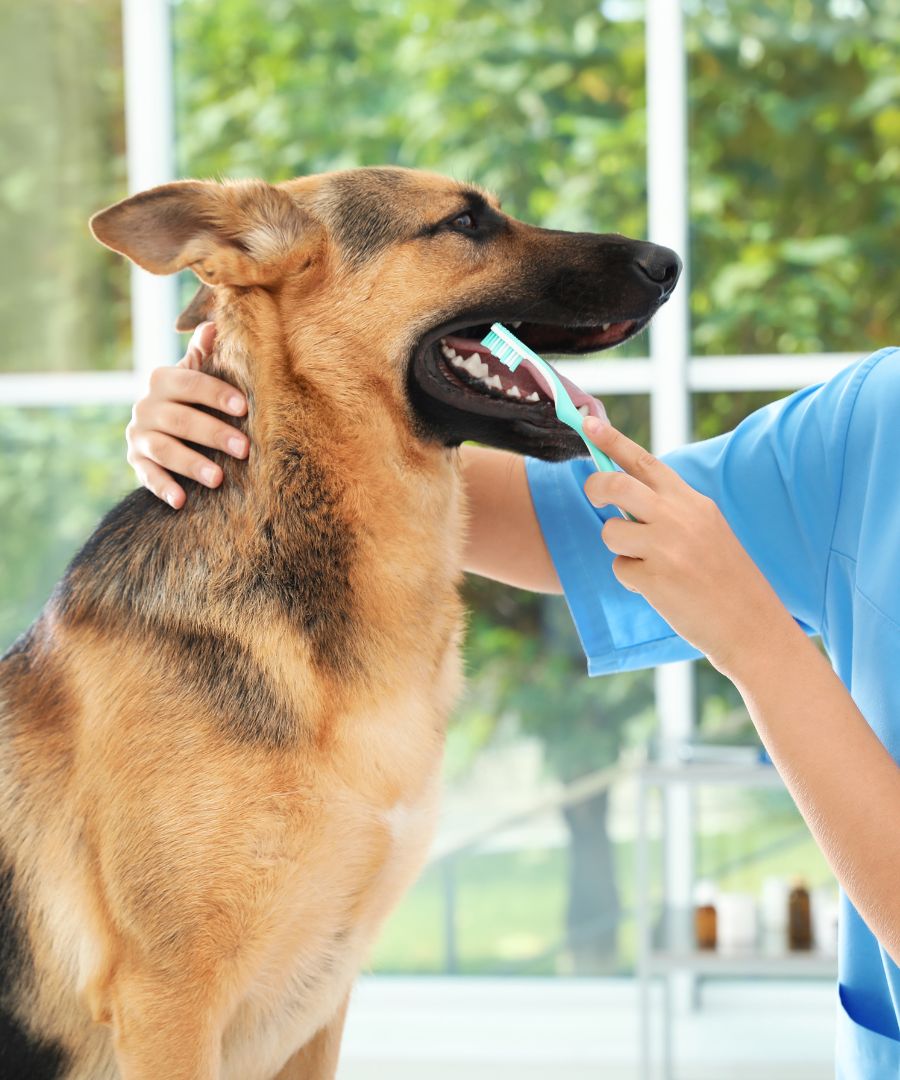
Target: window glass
{"type": "Point", "coordinates": [61, 470]}
{"type": "Point", "coordinates": [63, 298]}
{"type": "Point", "coordinates": [794, 116]}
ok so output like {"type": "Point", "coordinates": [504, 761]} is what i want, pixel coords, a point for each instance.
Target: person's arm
{"type": "Point", "coordinates": [682, 556]}
{"type": "Point", "coordinates": [504, 540]}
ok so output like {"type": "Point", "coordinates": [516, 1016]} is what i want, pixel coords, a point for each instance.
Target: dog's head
{"type": "Point", "coordinates": [402, 273]}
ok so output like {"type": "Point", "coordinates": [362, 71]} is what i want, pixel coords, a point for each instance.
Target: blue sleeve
{"type": "Point", "coordinates": [777, 479]}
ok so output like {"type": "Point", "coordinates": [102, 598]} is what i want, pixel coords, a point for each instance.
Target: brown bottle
{"type": "Point", "coordinates": [799, 917]}
{"type": "Point", "coordinates": [705, 916]}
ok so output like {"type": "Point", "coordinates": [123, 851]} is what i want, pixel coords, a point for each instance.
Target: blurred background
{"type": "Point", "coordinates": [763, 142]}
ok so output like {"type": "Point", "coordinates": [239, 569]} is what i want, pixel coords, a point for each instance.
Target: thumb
{"type": "Point", "coordinates": [200, 346]}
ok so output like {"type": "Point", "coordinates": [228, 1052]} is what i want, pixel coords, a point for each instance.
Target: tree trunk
{"type": "Point", "coordinates": [592, 918]}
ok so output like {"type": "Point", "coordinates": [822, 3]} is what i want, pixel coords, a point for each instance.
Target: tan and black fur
{"type": "Point", "coordinates": [220, 743]}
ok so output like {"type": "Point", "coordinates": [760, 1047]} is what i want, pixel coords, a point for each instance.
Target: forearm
{"type": "Point", "coordinates": [504, 539]}
{"type": "Point", "coordinates": [681, 555]}
{"type": "Point", "coordinates": [843, 780]}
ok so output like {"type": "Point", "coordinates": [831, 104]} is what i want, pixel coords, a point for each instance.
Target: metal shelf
{"type": "Point", "coordinates": [666, 941]}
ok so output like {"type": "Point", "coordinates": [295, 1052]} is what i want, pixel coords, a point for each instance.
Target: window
{"type": "Point", "coordinates": [791, 273]}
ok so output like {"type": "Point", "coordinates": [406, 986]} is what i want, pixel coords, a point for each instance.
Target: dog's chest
{"type": "Point", "coordinates": [324, 944]}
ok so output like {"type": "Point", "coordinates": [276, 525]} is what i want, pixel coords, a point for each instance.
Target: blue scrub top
{"type": "Point", "coordinates": [811, 486]}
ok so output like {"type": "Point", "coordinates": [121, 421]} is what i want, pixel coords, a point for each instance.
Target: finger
{"type": "Point", "coordinates": [178, 458]}
{"type": "Point", "coordinates": [625, 538]}
{"type": "Point", "coordinates": [621, 490]}
{"type": "Point", "coordinates": [157, 480]}
{"type": "Point", "coordinates": [200, 346]}
{"type": "Point", "coordinates": [628, 572]}
{"type": "Point", "coordinates": [631, 456]}
{"type": "Point", "coordinates": [197, 388]}
{"type": "Point", "coordinates": [191, 425]}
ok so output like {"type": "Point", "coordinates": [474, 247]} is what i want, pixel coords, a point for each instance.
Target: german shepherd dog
{"type": "Point", "coordinates": [220, 743]}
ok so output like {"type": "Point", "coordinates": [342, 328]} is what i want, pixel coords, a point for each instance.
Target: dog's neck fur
{"type": "Point", "coordinates": [342, 514]}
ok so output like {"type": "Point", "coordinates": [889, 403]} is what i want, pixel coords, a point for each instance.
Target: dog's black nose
{"type": "Point", "coordinates": [660, 264]}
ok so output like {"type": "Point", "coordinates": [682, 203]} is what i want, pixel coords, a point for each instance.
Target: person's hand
{"type": "Point", "coordinates": [681, 554]}
{"type": "Point", "coordinates": [163, 420]}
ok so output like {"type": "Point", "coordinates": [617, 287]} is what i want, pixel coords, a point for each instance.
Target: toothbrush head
{"type": "Point", "coordinates": [507, 348]}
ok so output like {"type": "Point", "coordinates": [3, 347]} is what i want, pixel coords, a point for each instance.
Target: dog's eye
{"type": "Point", "coordinates": [465, 222]}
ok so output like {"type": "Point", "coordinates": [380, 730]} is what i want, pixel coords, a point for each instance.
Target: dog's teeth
{"type": "Point", "coordinates": [533, 397]}
{"type": "Point", "coordinates": [515, 324]}
{"type": "Point", "coordinates": [448, 352]}
{"type": "Point", "coordinates": [493, 382]}
{"type": "Point", "coordinates": [475, 367]}
{"type": "Point", "coordinates": [606, 326]}
{"type": "Point", "coordinates": [513, 391]}
{"type": "Point", "coordinates": [458, 362]}
{"type": "Point", "coordinates": [584, 410]}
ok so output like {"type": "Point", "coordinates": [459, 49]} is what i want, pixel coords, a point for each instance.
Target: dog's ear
{"type": "Point", "coordinates": [241, 233]}
{"type": "Point", "coordinates": [198, 310]}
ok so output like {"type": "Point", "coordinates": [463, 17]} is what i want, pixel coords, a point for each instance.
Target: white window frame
{"type": "Point", "coordinates": [669, 376]}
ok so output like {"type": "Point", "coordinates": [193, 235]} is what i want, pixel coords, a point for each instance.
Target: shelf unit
{"type": "Point", "coordinates": [666, 944]}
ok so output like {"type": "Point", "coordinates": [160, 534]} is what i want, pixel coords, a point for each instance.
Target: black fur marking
{"type": "Point", "coordinates": [305, 555]}
{"type": "Point", "coordinates": [129, 555]}
{"type": "Point", "coordinates": [21, 648]}
{"type": "Point", "coordinates": [22, 1056]}
{"type": "Point", "coordinates": [365, 217]}
{"type": "Point", "coordinates": [223, 672]}
{"type": "Point", "coordinates": [122, 559]}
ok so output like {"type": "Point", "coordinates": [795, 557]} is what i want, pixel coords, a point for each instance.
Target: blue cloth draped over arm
{"type": "Point", "coordinates": [777, 479]}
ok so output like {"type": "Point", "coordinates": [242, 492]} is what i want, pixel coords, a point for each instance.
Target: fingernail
{"type": "Point", "coordinates": [209, 474]}
{"type": "Point", "coordinates": [236, 404]}
{"type": "Point", "coordinates": [593, 425]}
{"type": "Point", "coordinates": [236, 446]}
{"type": "Point", "coordinates": [170, 499]}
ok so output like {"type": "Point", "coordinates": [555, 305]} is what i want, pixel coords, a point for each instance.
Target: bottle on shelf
{"type": "Point", "coordinates": [705, 918]}
{"type": "Point", "coordinates": [799, 917]}
{"type": "Point", "coordinates": [737, 922]}
{"type": "Point", "coordinates": [774, 913]}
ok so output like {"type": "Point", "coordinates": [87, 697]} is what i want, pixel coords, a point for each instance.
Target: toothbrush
{"type": "Point", "coordinates": [510, 351]}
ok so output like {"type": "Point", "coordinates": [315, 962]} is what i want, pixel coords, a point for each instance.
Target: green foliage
{"type": "Point", "coordinates": [795, 175]}
{"type": "Point", "coordinates": [63, 298]}
{"type": "Point", "coordinates": [51, 497]}
{"type": "Point", "coordinates": [542, 102]}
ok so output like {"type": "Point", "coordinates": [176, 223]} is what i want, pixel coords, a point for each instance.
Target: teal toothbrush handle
{"type": "Point", "coordinates": [600, 459]}
{"type": "Point", "coordinates": [566, 411]}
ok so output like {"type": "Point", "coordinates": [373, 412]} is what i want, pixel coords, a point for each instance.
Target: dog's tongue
{"type": "Point", "coordinates": [578, 396]}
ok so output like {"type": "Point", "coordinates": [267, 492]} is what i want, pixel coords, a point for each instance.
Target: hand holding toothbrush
{"type": "Point", "coordinates": [679, 552]}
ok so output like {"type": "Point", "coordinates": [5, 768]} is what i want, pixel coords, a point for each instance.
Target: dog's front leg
{"type": "Point", "coordinates": [166, 1027]}
{"type": "Point", "coordinates": [318, 1059]}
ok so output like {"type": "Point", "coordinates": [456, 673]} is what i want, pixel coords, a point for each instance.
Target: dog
{"type": "Point", "coordinates": [220, 742]}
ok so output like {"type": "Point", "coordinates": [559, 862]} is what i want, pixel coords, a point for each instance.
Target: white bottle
{"type": "Point", "coordinates": [774, 906]}
{"type": "Point", "coordinates": [736, 921]}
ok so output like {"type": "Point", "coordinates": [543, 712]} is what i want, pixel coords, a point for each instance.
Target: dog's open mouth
{"type": "Point", "coordinates": [465, 362]}
{"type": "Point", "coordinates": [460, 391]}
